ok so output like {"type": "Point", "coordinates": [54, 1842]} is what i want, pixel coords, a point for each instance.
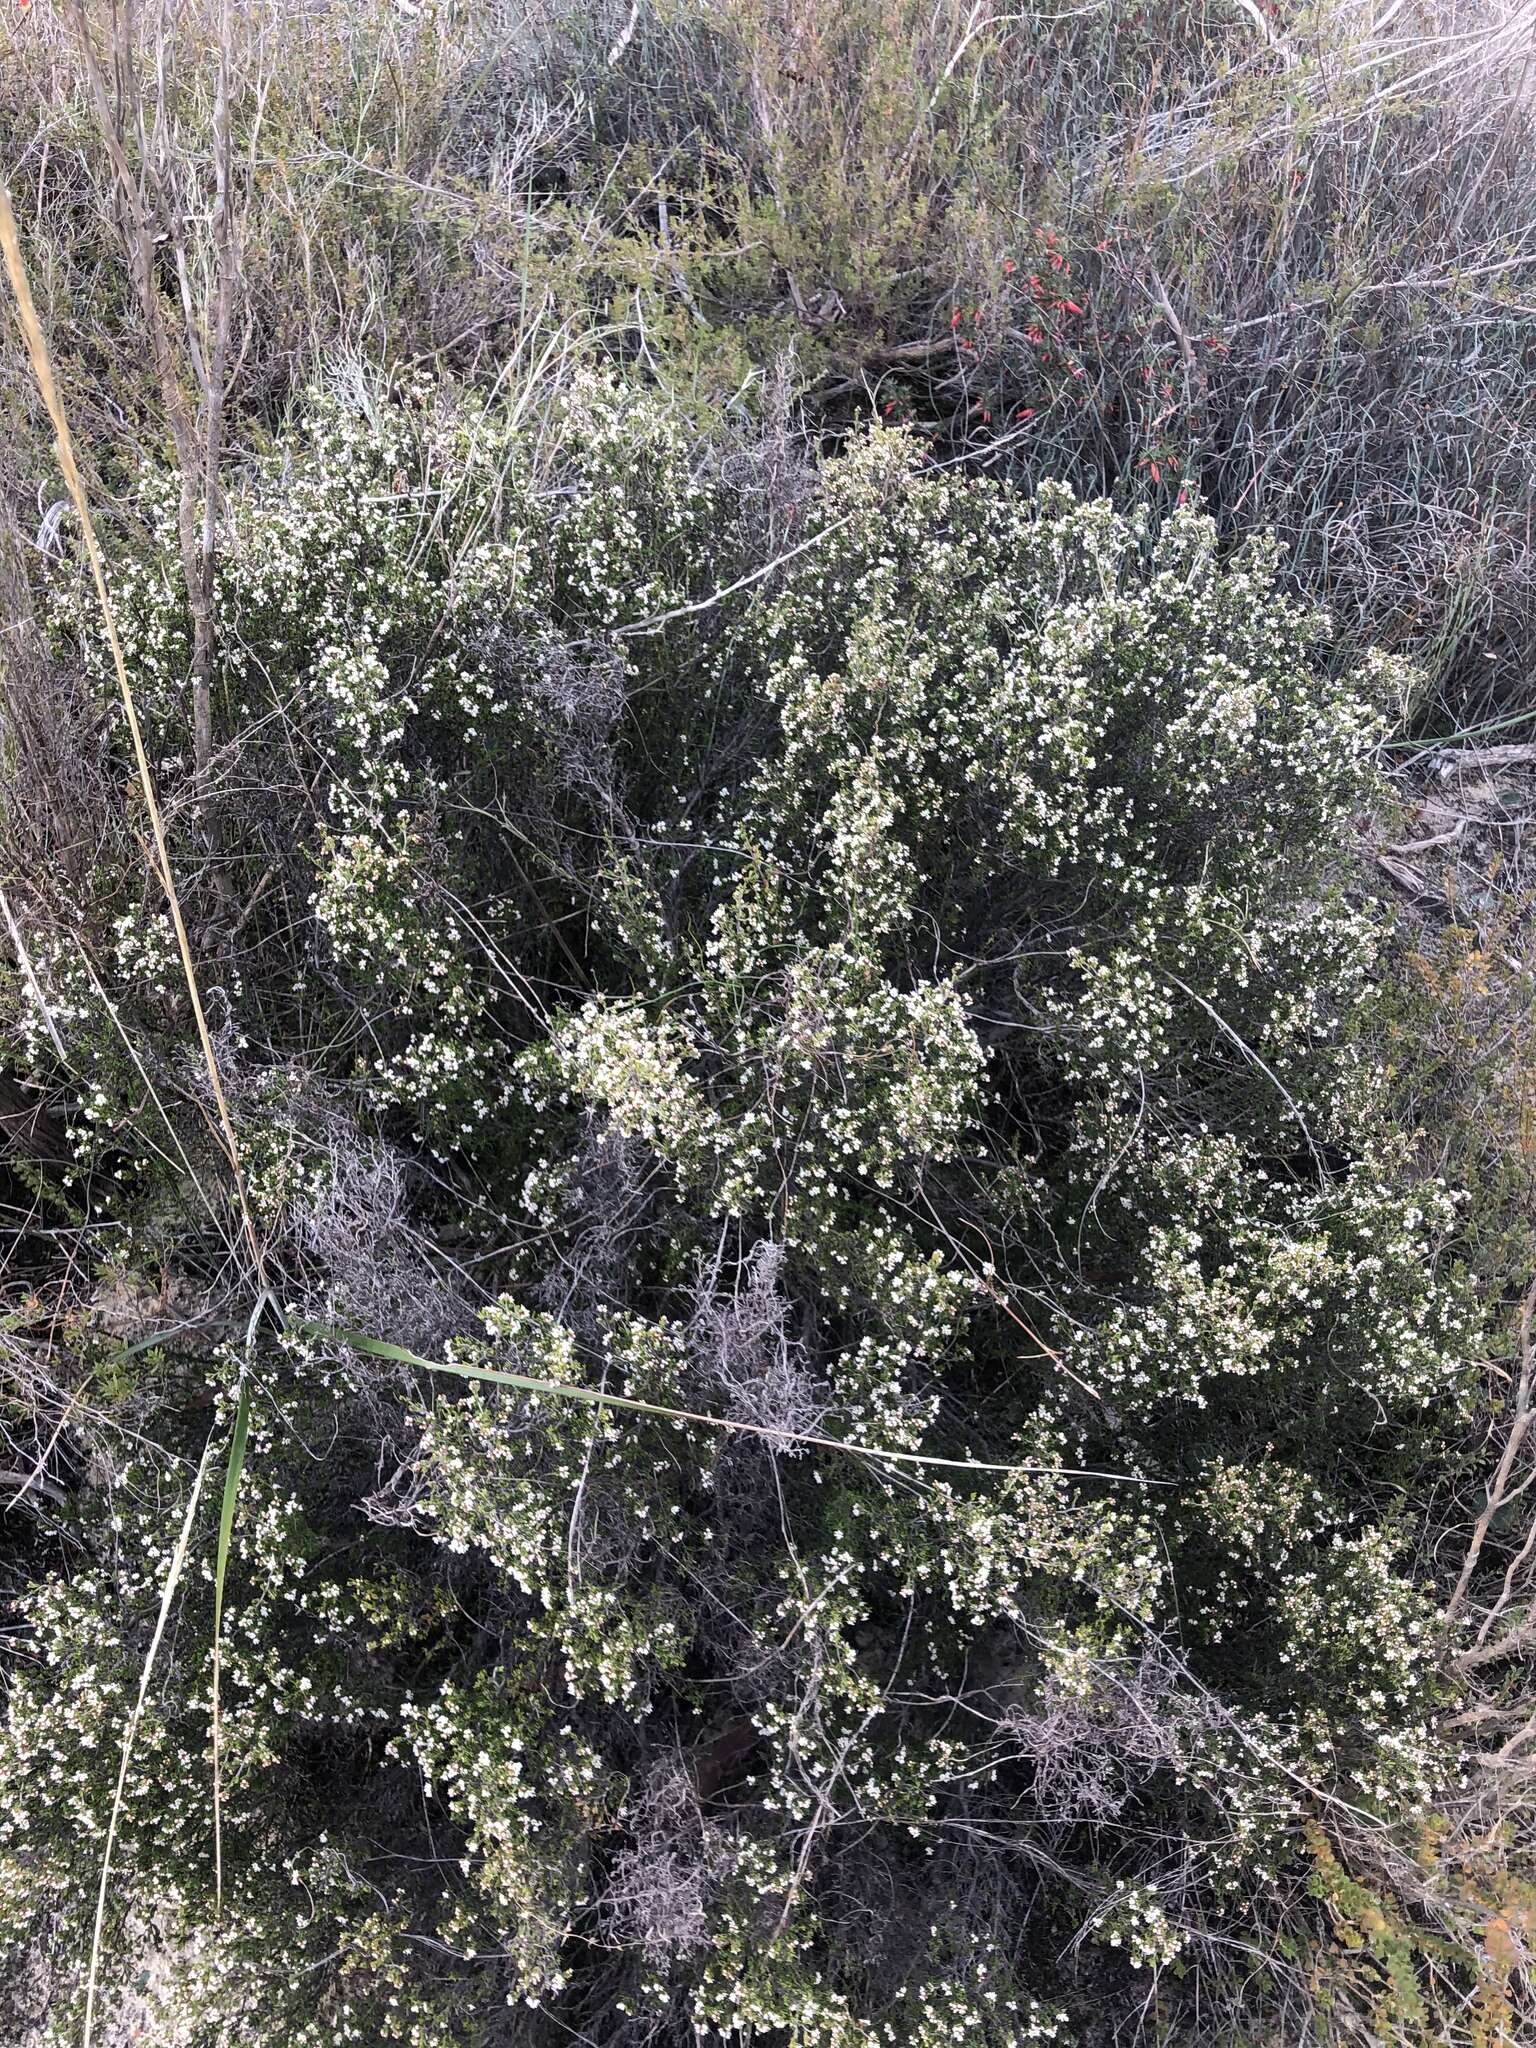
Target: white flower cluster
{"type": "Point", "coordinates": [528, 1795]}
{"type": "Point", "coordinates": [504, 1489]}
{"type": "Point", "coordinates": [1230, 1270]}
{"type": "Point", "coordinates": [1134, 1918]}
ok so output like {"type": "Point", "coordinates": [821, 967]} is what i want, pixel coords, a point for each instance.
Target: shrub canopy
{"type": "Point", "coordinates": [862, 958]}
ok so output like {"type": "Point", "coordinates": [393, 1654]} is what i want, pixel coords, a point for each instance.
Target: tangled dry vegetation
{"type": "Point", "coordinates": [768, 1097]}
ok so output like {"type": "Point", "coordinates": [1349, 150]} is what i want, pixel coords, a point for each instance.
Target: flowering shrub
{"type": "Point", "coordinates": [901, 1007]}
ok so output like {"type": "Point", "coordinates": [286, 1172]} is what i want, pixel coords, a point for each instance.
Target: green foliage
{"type": "Point", "coordinates": [1277, 259]}
{"type": "Point", "coordinates": [909, 992]}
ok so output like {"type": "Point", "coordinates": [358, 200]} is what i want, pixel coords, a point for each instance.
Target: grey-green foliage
{"type": "Point", "coordinates": [908, 997]}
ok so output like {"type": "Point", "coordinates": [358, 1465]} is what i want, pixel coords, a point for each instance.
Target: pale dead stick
{"type": "Point", "coordinates": [42, 369]}
{"type": "Point", "coordinates": [47, 384]}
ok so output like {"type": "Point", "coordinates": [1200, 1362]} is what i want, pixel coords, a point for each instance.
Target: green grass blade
{"type": "Point", "coordinates": [599, 1398]}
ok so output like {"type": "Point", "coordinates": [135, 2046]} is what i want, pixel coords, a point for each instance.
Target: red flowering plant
{"type": "Point", "coordinates": [1049, 357]}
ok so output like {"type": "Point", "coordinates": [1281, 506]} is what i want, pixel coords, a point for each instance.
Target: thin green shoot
{"type": "Point", "coordinates": [599, 1397]}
